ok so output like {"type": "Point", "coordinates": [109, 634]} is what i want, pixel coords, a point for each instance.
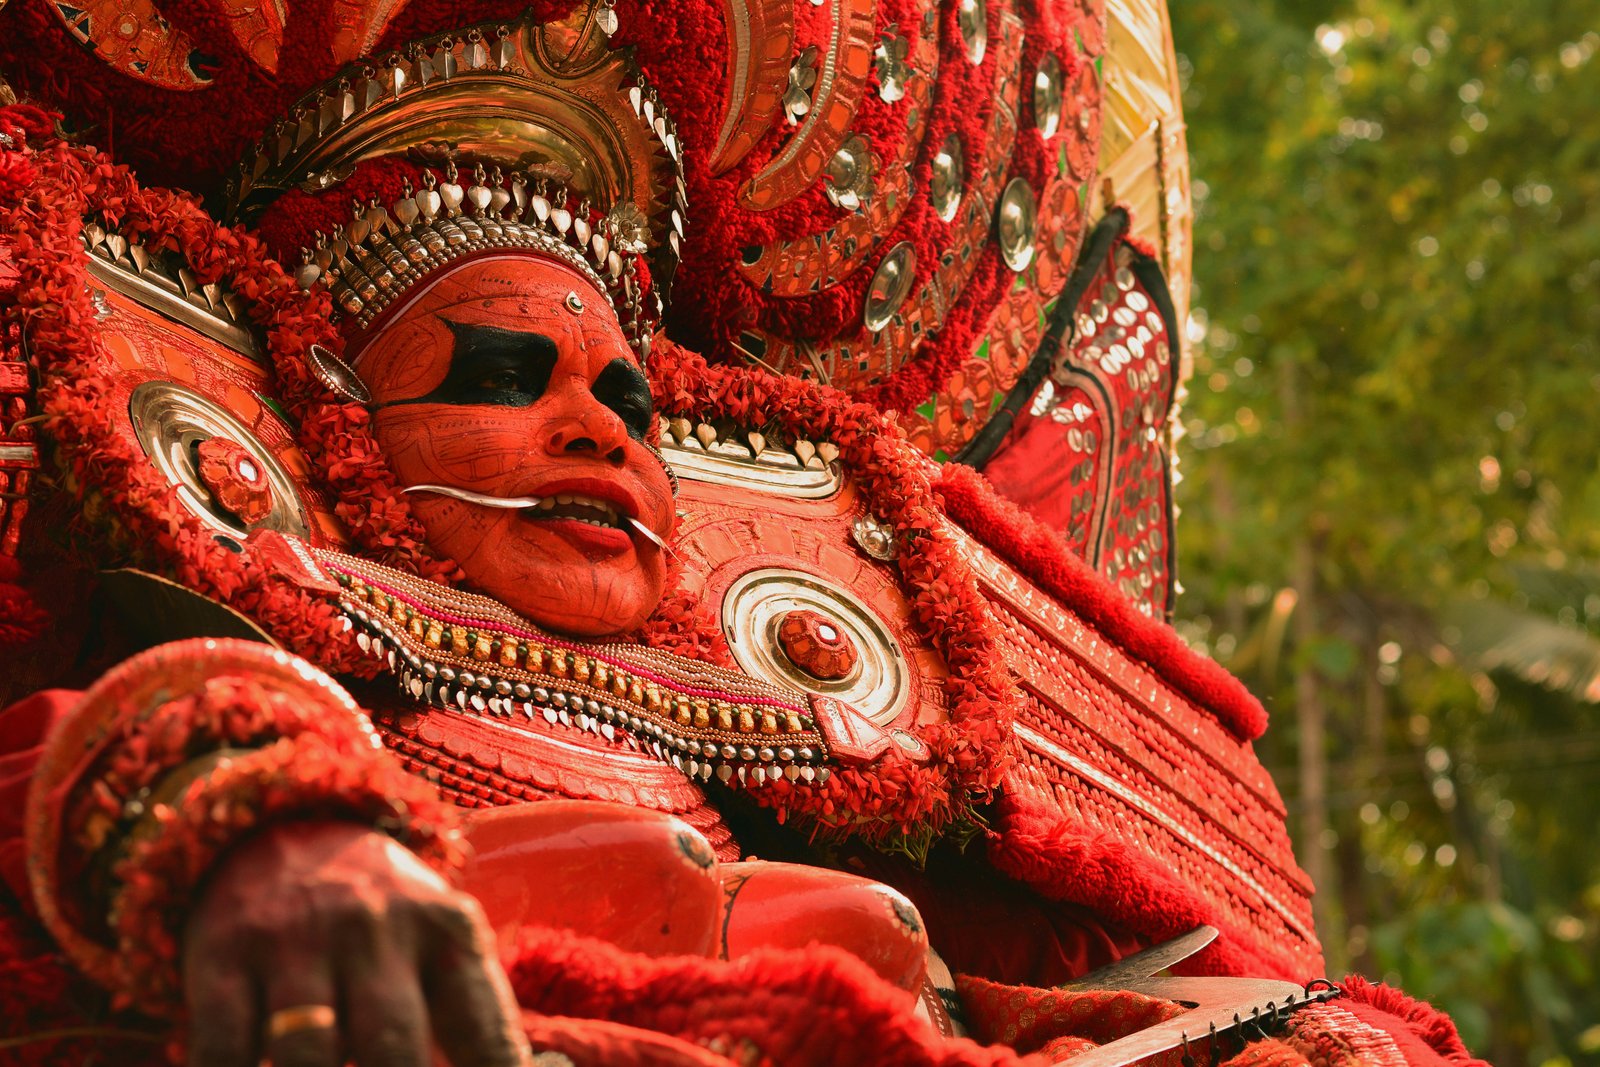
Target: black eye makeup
{"type": "Point", "coordinates": [623, 388]}
{"type": "Point", "coordinates": [491, 365]}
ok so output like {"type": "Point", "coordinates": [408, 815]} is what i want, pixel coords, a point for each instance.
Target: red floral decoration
{"type": "Point", "coordinates": [53, 305]}
{"type": "Point", "coordinates": [895, 799]}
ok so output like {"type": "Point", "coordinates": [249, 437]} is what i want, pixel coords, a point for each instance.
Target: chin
{"type": "Point", "coordinates": [579, 620]}
{"type": "Point", "coordinates": [594, 604]}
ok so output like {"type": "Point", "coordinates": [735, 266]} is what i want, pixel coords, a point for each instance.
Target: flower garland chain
{"type": "Point", "coordinates": [54, 307]}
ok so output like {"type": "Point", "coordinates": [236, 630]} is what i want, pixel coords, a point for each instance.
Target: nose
{"type": "Point", "coordinates": [587, 429]}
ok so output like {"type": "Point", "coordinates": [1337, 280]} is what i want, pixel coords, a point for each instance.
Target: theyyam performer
{"type": "Point", "coordinates": [453, 609]}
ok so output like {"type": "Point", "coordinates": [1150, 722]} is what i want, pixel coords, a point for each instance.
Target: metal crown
{"type": "Point", "coordinates": [385, 250]}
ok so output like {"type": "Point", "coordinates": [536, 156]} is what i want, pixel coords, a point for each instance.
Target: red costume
{"type": "Point", "coordinates": [472, 547]}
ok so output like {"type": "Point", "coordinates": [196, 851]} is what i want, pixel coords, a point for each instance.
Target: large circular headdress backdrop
{"type": "Point", "coordinates": [878, 188]}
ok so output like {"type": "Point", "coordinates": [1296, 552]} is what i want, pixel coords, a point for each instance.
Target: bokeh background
{"type": "Point", "coordinates": [1391, 523]}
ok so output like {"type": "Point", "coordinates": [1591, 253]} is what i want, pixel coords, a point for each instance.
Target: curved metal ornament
{"type": "Point", "coordinates": [879, 683]}
{"type": "Point", "coordinates": [336, 374]}
{"type": "Point", "coordinates": [523, 94]}
{"type": "Point", "coordinates": [849, 174]}
{"type": "Point", "coordinates": [867, 357]}
{"type": "Point", "coordinates": [131, 36]}
{"type": "Point", "coordinates": [972, 18]}
{"type": "Point", "coordinates": [890, 286]}
{"type": "Point", "coordinates": [1016, 224]}
{"type": "Point", "coordinates": [804, 265]}
{"type": "Point", "coordinates": [169, 420]}
{"type": "Point", "coordinates": [948, 179]}
{"type": "Point", "coordinates": [760, 42]}
{"type": "Point", "coordinates": [841, 83]}
{"type": "Point", "coordinates": [1047, 95]}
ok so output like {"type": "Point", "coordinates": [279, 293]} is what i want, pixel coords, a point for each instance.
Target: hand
{"type": "Point", "coordinates": [336, 915]}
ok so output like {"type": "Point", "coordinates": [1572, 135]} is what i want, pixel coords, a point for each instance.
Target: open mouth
{"type": "Point", "coordinates": [576, 507]}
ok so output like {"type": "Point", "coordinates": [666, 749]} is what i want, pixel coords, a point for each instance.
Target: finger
{"type": "Point", "coordinates": [386, 1018]}
{"type": "Point", "coordinates": [474, 1014]}
{"type": "Point", "coordinates": [224, 1029]}
{"type": "Point", "coordinates": [302, 1027]}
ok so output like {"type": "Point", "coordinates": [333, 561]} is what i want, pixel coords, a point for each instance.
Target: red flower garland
{"type": "Point", "coordinates": [54, 307]}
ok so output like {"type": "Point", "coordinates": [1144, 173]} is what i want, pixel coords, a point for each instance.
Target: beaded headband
{"type": "Point", "coordinates": [384, 251]}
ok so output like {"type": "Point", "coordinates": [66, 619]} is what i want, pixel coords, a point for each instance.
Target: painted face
{"type": "Point", "coordinates": [509, 376]}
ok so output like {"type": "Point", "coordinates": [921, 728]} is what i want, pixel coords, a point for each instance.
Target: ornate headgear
{"type": "Point", "coordinates": [571, 156]}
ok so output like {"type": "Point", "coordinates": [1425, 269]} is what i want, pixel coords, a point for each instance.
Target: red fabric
{"type": "Point", "coordinates": [1062, 860]}
{"type": "Point", "coordinates": [23, 727]}
{"type": "Point", "coordinates": [41, 994]}
{"type": "Point", "coordinates": [1269, 1053]}
{"type": "Point", "coordinates": [1424, 1033]}
{"type": "Point", "coordinates": [994, 928]}
{"type": "Point", "coordinates": [21, 618]}
{"type": "Point", "coordinates": [1038, 553]}
{"type": "Point", "coordinates": [1029, 1019]}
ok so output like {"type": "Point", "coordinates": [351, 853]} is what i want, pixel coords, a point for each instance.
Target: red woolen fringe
{"type": "Point", "coordinates": [1422, 1020]}
{"type": "Point", "coordinates": [1036, 551]}
{"type": "Point", "coordinates": [1060, 860]}
{"type": "Point", "coordinates": [816, 1006]}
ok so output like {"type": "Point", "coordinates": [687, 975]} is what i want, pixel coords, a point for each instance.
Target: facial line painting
{"type": "Point", "coordinates": [519, 430]}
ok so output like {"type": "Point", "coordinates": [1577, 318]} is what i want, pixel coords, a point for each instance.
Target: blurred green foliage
{"type": "Point", "coordinates": [1396, 344]}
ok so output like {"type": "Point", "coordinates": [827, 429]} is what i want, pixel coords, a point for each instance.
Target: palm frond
{"type": "Point", "coordinates": [1493, 635]}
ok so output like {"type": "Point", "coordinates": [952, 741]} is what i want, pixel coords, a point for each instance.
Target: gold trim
{"type": "Point", "coordinates": [153, 281]}
{"type": "Point", "coordinates": [804, 470]}
{"type": "Point", "coordinates": [519, 94]}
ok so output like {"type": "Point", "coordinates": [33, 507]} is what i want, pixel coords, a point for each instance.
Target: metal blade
{"type": "Point", "coordinates": [1151, 961]}
{"type": "Point", "coordinates": [1216, 1005]}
